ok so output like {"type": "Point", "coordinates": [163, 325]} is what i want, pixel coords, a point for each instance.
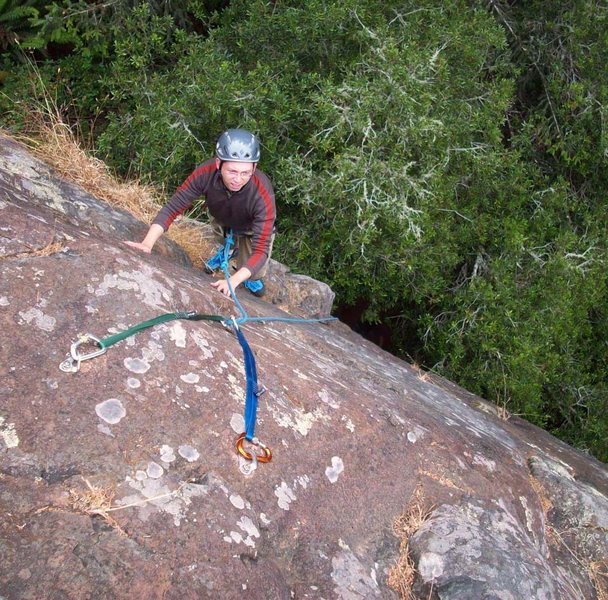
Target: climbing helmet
{"type": "Point", "coordinates": [238, 145]}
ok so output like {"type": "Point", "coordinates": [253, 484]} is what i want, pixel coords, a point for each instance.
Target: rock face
{"type": "Point", "coordinates": [122, 480]}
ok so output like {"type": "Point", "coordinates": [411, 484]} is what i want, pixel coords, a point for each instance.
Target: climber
{"type": "Point", "coordinates": [238, 196]}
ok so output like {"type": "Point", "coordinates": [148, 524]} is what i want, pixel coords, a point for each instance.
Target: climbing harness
{"type": "Point", "coordinates": [89, 346]}
{"type": "Point", "coordinates": [216, 261]}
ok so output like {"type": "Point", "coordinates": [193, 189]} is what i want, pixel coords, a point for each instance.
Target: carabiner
{"type": "Point", "coordinates": [72, 362]}
{"type": "Point", "coordinates": [263, 458]}
{"type": "Point", "coordinates": [230, 324]}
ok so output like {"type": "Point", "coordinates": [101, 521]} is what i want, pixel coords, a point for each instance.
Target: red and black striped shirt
{"type": "Point", "coordinates": [251, 209]}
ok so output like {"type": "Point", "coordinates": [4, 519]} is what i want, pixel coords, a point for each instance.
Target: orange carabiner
{"type": "Point", "coordinates": [263, 458]}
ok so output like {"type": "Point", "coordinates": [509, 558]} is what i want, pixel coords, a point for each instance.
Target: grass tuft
{"type": "Point", "coordinates": [401, 576]}
{"type": "Point", "coordinates": [54, 142]}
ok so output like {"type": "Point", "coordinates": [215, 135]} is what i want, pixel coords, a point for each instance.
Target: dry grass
{"type": "Point", "coordinates": [54, 142]}
{"type": "Point", "coordinates": [401, 576]}
{"type": "Point", "coordinates": [420, 373]}
{"type": "Point", "coordinates": [95, 501]}
{"type": "Point", "coordinates": [598, 572]}
{"type": "Point", "coordinates": [503, 413]}
{"type": "Point", "coordinates": [441, 479]}
{"type": "Point", "coordinates": [545, 503]}
{"type": "Point", "coordinates": [48, 250]}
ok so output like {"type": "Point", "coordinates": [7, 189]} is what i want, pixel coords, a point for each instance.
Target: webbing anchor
{"type": "Point", "coordinates": [263, 458]}
{"type": "Point", "coordinates": [72, 362]}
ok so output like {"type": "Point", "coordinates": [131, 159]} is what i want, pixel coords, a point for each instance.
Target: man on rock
{"type": "Point", "coordinates": [238, 196]}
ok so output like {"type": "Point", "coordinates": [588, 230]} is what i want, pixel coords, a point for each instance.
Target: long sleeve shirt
{"type": "Point", "coordinates": [251, 210]}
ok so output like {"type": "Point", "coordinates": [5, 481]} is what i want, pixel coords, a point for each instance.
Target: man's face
{"type": "Point", "coordinates": [235, 174]}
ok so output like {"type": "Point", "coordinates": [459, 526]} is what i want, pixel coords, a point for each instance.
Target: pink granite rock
{"type": "Point", "coordinates": [149, 428]}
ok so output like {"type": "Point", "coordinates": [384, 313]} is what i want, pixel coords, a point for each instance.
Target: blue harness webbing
{"type": "Point", "coordinates": [251, 397]}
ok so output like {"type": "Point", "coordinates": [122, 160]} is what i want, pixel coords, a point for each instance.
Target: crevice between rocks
{"type": "Point", "coordinates": [49, 250]}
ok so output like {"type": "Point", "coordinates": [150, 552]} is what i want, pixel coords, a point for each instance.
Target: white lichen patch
{"type": "Point", "coordinates": [167, 454]}
{"type": "Point", "coordinates": [52, 383]}
{"type": "Point", "coordinates": [190, 378]}
{"type": "Point", "coordinates": [333, 472]}
{"type": "Point", "coordinates": [247, 525]}
{"type": "Point", "coordinates": [237, 501]}
{"type": "Point", "coordinates": [189, 453]}
{"type": "Point", "coordinates": [133, 383]}
{"type": "Point", "coordinates": [264, 519]}
{"type": "Point", "coordinates": [111, 411]}
{"type": "Point", "coordinates": [430, 566]}
{"type": "Point", "coordinates": [234, 536]}
{"type": "Point", "coordinates": [142, 281]}
{"type": "Point", "coordinates": [298, 420]}
{"type": "Point", "coordinates": [136, 365]}
{"type": "Point", "coordinates": [237, 423]}
{"type": "Point", "coordinates": [39, 185]}
{"type": "Point", "coordinates": [490, 465]}
{"type": "Point", "coordinates": [4, 301]}
{"type": "Point", "coordinates": [154, 470]}
{"type": "Point", "coordinates": [159, 497]}
{"type": "Point", "coordinates": [285, 495]}
{"type": "Point", "coordinates": [327, 398]}
{"type": "Point", "coordinates": [348, 423]}
{"type": "Point", "coordinates": [103, 428]}
{"type": "Point", "coordinates": [202, 344]}
{"type": "Point", "coordinates": [8, 434]}
{"type": "Point", "coordinates": [235, 361]}
{"type": "Point", "coordinates": [561, 469]}
{"type": "Point", "coordinates": [303, 480]}
{"type": "Point", "coordinates": [417, 433]}
{"type": "Point", "coordinates": [529, 514]}
{"type": "Point", "coordinates": [152, 352]}
{"type": "Point", "coordinates": [351, 578]}
{"type": "Point", "coordinates": [184, 297]}
{"type": "Point", "coordinates": [237, 391]}
{"type": "Point", "coordinates": [42, 321]}
{"type": "Point", "coordinates": [177, 334]}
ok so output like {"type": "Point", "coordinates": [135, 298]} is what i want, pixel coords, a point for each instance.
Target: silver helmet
{"type": "Point", "coordinates": [238, 145]}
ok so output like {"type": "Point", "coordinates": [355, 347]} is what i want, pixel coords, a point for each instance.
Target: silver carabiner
{"type": "Point", "coordinates": [72, 362]}
{"type": "Point", "coordinates": [230, 324]}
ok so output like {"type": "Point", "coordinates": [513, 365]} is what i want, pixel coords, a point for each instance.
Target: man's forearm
{"type": "Point", "coordinates": [241, 275]}
{"type": "Point", "coordinates": [153, 235]}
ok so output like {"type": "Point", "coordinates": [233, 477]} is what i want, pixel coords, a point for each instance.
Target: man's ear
{"type": "Point", "coordinates": [218, 163]}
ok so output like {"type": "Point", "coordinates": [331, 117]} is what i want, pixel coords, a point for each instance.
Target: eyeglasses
{"type": "Point", "coordinates": [239, 174]}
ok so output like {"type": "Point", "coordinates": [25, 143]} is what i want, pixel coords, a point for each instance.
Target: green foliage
{"type": "Point", "coordinates": [442, 162]}
{"type": "Point", "coordinates": [18, 21]}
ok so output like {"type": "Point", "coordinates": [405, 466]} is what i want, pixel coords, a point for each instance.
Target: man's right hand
{"type": "Point", "coordinates": [148, 242]}
{"type": "Point", "coordinates": [139, 246]}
